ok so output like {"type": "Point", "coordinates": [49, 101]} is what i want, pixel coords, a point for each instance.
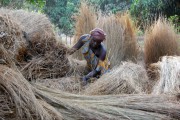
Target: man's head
{"type": "Point", "coordinates": [97, 36]}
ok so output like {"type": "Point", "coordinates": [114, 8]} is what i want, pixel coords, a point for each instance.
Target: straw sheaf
{"type": "Point", "coordinates": [128, 78]}
{"type": "Point", "coordinates": [44, 56]}
{"type": "Point", "coordinates": [169, 80]}
{"type": "Point", "coordinates": [11, 35]}
{"type": "Point", "coordinates": [113, 107]}
{"type": "Point", "coordinates": [78, 67]}
{"type": "Point", "coordinates": [160, 40]}
{"type": "Point", "coordinates": [53, 64]}
{"type": "Point", "coordinates": [120, 39]}
{"type": "Point", "coordinates": [22, 97]}
{"type": "Point", "coordinates": [85, 22]}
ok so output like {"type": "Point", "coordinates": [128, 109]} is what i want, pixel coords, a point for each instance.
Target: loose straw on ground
{"type": "Point", "coordinates": [124, 107]}
{"type": "Point", "coordinates": [21, 94]}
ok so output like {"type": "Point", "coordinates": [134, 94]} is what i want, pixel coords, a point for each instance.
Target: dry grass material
{"type": "Point", "coordinates": [24, 104]}
{"type": "Point", "coordinates": [128, 78]}
{"type": "Point", "coordinates": [67, 84]}
{"type": "Point", "coordinates": [85, 22]}
{"type": "Point", "coordinates": [169, 79]}
{"type": "Point", "coordinates": [116, 107]}
{"type": "Point", "coordinates": [120, 40]}
{"type": "Point", "coordinates": [44, 56]}
{"type": "Point", "coordinates": [11, 36]}
{"type": "Point", "coordinates": [78, 67]}
{"type": "Point", "coordinates": [54, 64]}
{"type": "Point", "coordinates": [160, 40]}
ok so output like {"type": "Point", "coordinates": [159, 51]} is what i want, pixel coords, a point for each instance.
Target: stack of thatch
{"type": "Point", "coordinates": [18, 99]}
{"type": "Point", "coordinates": [160, 40]}
{"type": "Point", "coordinates": [120, 39]}
{"type": "Point", "coordinates": [11, 36]}
{"type": "Point", "coordinates": [128, 78]}
{"type": "Point", "coordinates": [169, 79]}
{"type": "Point", "coordinates": [43, 56]}
{"type": "Point", "coordinates": [85, 22]}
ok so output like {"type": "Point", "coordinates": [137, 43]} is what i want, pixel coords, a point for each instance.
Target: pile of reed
{"type": "Point", "coordinates": [127, 78]}
{"type": "Point", "coordinates": [43, 56]}
{"type": "Point", "coordinates": [85, 22]}
{"type": "Point", "coordinates": [169, 81]}
{"type": "Point", "coordinates": [160, 40]}
{"type": "Point", "coordinates": [120, 39]}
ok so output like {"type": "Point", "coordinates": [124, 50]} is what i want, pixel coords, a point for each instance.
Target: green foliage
{"type": "Point", "coordinates": [20, 3]}
{"type": "Point", "coordinates": [146, 11]}
{"type": "Point", "coordinates": [60, 12]}
{"type": "Point", "coordinates": [112, 6]}
{"type": "Point", "coordinates": [175, 21]}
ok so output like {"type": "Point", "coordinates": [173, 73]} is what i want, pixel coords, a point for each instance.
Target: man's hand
{"type": "Point", "coordinates": [71, 51]}
{"type": "Point", "coordinates": [84, 81]}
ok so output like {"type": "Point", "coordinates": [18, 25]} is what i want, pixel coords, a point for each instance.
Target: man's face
{"type": "Point", "coordinates": [95, 43]}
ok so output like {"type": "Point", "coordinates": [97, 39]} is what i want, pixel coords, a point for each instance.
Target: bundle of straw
{"type": "Point", "coordinates": [117, 107]}
{"type": "Point", "coordinates": [85, 22]}
{"type": "Point", "coordinates": [78, 67]}
{"type": "Point", "coordinates": [120, 39]}
{"type": "Point", "coordinates": [23, 103]}
{"type": "Point", "coordinates": [128, 78]}
{"type": "Point", "coordinates": [11, 35]}
{"type": "Point", "coordinates": [160, 40]}
{"type": "Point", "coordinates": [169, 79]}
{"type": "Point", "coordinates": [46, 56]}
{"type": "Point", "coordinates": [53, 64]}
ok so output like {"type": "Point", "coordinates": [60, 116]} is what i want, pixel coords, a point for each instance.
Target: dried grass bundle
{"type": "Point", "coordinates": [160, 40]}
{"type": "Point", "coordinates": [11, 36]}
{"type": "Point", "coordinates": [169, 79]}
{"type": "Point", "coordinates": [53, 64]}
{"type": "Point", "coordinates": [128, 78]}
{"type": "Point", "coordinates": [116, 107]}
{"type": "Point", "coordinates": [78, 67]}
{"type": "Point", "coordinates": [120, 40]}
{"type": "Point", "coordinates": [85, 22]}
{"type": "Point", "coordinates": [22, 97]}
{"type": "Point", "coordinates": [44, 56]}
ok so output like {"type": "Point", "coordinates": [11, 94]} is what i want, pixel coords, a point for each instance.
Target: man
{"type": "Point", "coordinates": [94, 52]}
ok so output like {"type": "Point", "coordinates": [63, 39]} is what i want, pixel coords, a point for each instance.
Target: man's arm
{"type": "Point", "coordinates": [95, 72]}
{"type": "Point", "coordinates": [78, 45]}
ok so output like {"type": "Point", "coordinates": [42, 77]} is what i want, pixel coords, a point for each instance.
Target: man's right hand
{"type": "Point", "coordinates": [71, 51]}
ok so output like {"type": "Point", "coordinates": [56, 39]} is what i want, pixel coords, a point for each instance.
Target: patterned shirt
{"type": "Point", "coordinates": [93, 62]}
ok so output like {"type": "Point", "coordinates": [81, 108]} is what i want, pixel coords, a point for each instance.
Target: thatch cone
{"type": "Point", "coordinates": [120, 39]}
{"type": "Point", "coordinates": [160, 40]}
{"type": "Point", "coordinates": [68, 84]}
{"type": "Point", "coordinates": [128, 78]}
{"type": "Point", "coordinates": [109, 107]}
{"type": "Point", "coordinates": [11, 36]}
{"type": "Point", "coordinates": [85, 22]}
{"type": "Point", "coordinates": [21, 101]}
{"type": "Point", "coordinates": [46, 56]}
{"type": "Point", "coordinates": [169, 79]}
